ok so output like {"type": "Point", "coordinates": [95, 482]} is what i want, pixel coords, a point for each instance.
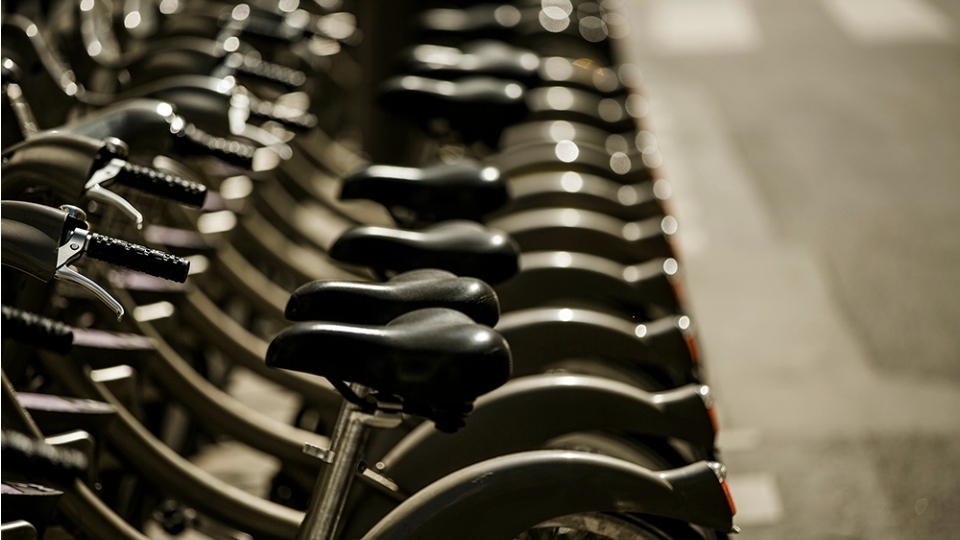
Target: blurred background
{"type": "Point", "coordinates": [814, 152]}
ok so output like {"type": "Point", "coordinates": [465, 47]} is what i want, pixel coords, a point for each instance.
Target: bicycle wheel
{"type": "Point", "coordinates": [595, 526]}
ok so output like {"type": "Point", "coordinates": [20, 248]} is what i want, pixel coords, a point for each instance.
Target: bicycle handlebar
{"type": "Point", "coordinates": [36, 331]}
{"type": "Point", "coordinates": [41, 241]}
{"type": "Point", "coordinates": [193, 141]}
{"type": "Point", "coordinates": [251, 65]}
{"type": "Point", "coordinates": [161, 184]}
{"type": "Point", "coordinates": [26, 455]}
{"type": "Point", "coordinates": [136, 257]}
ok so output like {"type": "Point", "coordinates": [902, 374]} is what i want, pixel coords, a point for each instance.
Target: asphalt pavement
{"type": "Point", "coordinates": [814, 152]}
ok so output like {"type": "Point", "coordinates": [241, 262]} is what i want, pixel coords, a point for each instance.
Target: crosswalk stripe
{"type": "Point", "coordinates": [891, 21]}
{"type": "Point", "coordinates": [702, 27]}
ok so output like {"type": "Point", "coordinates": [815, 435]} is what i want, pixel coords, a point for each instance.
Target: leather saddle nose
{"type": "Point", "coordinates": [479, 107]}
{"type": "Point", "coordinates": [436, 193]}
{"type": "Point", "coordinates": [462, 247]}
{"type": "Point", "coordinates": [379, 303]}
{"type": "Point", "coordinates": [436, 360]}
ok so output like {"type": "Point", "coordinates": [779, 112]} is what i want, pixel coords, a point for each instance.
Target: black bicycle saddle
{"type": "Point", "coordinates": [378, 303]}
{"type": "Point", "coordinates": [462, 247]}
{"type": "Point", "coordinates": [479, 107]}
{"type": "Point", "coordinates": [435, 193]}
{"type": "Point", "coordinates": [438, 361]}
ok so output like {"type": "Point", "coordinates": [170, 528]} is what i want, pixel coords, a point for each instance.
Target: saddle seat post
{"type": "Point", "coordinates": [343, 463]}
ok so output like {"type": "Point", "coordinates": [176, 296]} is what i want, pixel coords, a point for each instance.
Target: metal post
{"type": "Point", "coordinates": [330, 494]}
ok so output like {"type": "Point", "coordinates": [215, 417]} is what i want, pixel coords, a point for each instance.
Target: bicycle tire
{"type": "Point", "coordinates": [595, 526]}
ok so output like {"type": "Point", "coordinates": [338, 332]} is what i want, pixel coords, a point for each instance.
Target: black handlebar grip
{"type": "Point", "coordinates": [251, 65]}
{"type": "Point", "coordinates": [29, 457]}
{"type": "Point", "coordinates": [162, 184]}
{"type": "Point", "coordinates": [192, 140]}
{"type": "Point", "coordinates": [36, 331]}
{"type": "Point", "coordinates": [138, 258]}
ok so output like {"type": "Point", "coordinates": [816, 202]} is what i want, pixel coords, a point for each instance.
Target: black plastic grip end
{"type": "Point", "coordinates": [162, 184]}
{"type": "Point", "coordinates": [27, 456]}
{"type": "Point", "coordinates": [138, 258]}
{"type": "Point", "coordinates": [193, 141]}
{"type": "Point", "coordinates": [36, 331]}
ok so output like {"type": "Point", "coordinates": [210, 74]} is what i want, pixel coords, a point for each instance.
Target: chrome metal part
{"type": "Point", "coordinates": [719, 469]}
{"type": "Point", "coordinates": [388, 415]}
{"type": "Point", "coordinates": [707, 395]}
{"type": "Point", "coordinates": [382, 483]}
{"type": "Point", "coordinates": [98, 193]}
{"type": "Point", "coordinates": [323, 454]}
{"type": "Point", "coordinates": [116, 147]}
{"type": "Point", "coordinates": [95, 190]}
{"type": "Point", "coordinates": [75, 245]}
{"type": "Point", "coordinates": [66, 274]}
{"type": "Point", "coordinates": [74, 211]}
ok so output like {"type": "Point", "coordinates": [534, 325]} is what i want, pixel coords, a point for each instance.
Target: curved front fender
{"type": "Point", "coordinates": [126, 119]}
{"type": "Point", "coordinates": [500, 498]}
{"type": "Point", "coordinates": [540, 336]}
{"type": "Point", "coordinates": [552, 275]}
{"type": "Point", "coordinates": [526, 413]}
{"type": "Point", "coordinates": [583, 231]}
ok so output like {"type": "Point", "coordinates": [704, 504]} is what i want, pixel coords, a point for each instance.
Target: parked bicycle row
{"type": "Point", "coordinates": [441, 228]}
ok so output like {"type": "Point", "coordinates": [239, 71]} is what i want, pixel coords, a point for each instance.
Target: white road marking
{"type": "Point", "coordinates": [891, 21]}
{"type": "Point", "coordinates": [700, 27]}
{"type": "Point", "coordinates": [709, 180]}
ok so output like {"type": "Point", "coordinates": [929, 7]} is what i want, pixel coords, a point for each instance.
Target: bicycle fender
{"type": "Point", "coordinates": [55, 161]}
{"type": "Point", "coordinates": [516, 492]}
{"type": "Point", "coordinates": [550, 275]}
{"type": "Point", "coordinates": [31, 237]}
{"type": "Point", "coordinates": [587, 158]}
{"type": "Point", "coordinates": [540, 336]}
{"type": "Point", "coordinates": [204, 100]}
{"type": "Point", "coordinates": [126, 120]}
{"type": "Point", "coordinates": [526, 413]}
{"type": "Point", "coordinates": [586, 231]}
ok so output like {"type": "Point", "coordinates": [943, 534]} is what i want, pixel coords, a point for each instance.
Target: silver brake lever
{"type": "Point", "coordinates": [68, 275]}
{"type": "Point", "coordinates": [69, 252]}
{"type": "Point", "coordinates": [97, 192]}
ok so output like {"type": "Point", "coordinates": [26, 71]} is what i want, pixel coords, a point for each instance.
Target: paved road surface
{"type": "Point", "coordinates": [814, 151]}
